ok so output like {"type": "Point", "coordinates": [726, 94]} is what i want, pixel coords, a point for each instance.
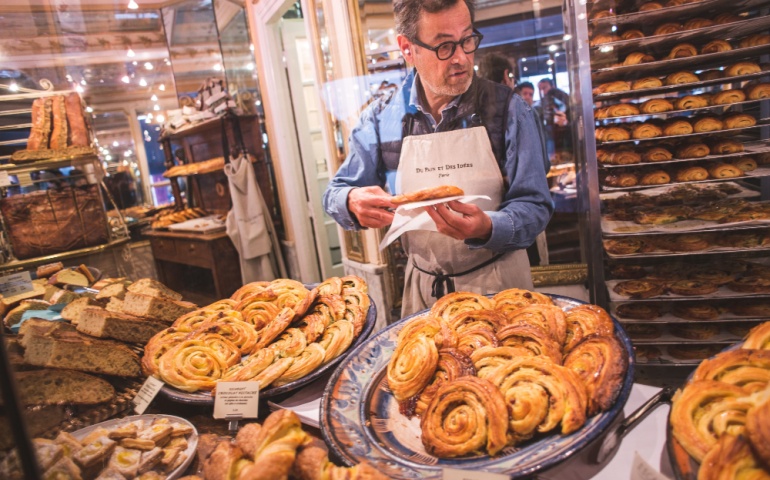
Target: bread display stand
{"type": "Point", "coordinates": [631, 58]}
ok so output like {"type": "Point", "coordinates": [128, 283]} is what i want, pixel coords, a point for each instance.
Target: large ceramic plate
{"type": "Point", "coordinates": [192, 439]}
{"type": "Point", "coordinates": [360, 419]}
{"type": "Point", "coordinates": [205, 398]}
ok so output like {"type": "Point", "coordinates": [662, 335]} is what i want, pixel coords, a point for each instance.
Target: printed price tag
{"type": "Point", "coordinates": [236, 399]}
{"type": "Point", "coordinates": [457, 474]}
{"type": "Point", "coordinates": [25, 180]}
{"type": "Point", "coordinates": [147, 393]}
{"type": "Point", "coordinates": [5, 181]}
{"type": "Point", "coordinates": [15, 284]}
{"type": "Point", "coordinates": [641, 470]}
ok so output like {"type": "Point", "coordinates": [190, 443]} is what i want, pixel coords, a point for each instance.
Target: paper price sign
{"type": "Point", "coordinates": [236, 400]}
{"type": "Point", "coordinates": [5, 180]}
{"type": "Point", "coordinates": [457, 474]}
{"type": "Point", "coordinates": [147, 393]}
{"type": "Point", "coordinates": [15, 284]}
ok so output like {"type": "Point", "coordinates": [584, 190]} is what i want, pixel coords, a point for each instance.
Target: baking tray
{"type": "Point", "coordinates": [722, 293]}
{"type": "Point", "coordinates": [762, 171]}
{"type": "Point", "coordinates": [658, 67]}
{"type": "Point", "coordinates": [667, 317]}
{"type": "Point", "coordinates": [645, 92]}
{"type": "Point", "coordinates": [712, 250]}
{"type": "Point", "coordinates": [664, 189]}
{"type": "Point", "coordinates": [751, 148]}
{"type": "Point", "coordinates": [666, 14]}
{"type": "Point", "coordinates": [761, 122]}
{"type": "Point", "coordinates": [668, 338]}
{"type": "Point", "coordinates": [611, 120]}
{"type": "Point", "coordinates": [611, 51]}
{"type": "Point", "coordinates": [665, 358]}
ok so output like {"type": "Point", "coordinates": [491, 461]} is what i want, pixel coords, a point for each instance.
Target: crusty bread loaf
{"type": "Point", "coordinates": [69, 277]}
{"type": "Point", "coordinates": [39, 326]}
{"type": "Point", "coordinates": [164, 309]}
{"type": "Point", "coordinates": [102, 323]}
{"type": "Point", "coordinates": [75, 351]}
{"type": "Point", "coordinates": [64, 296]}
{"type": "Point", "coordinates": [72, 311]}
{"type": "Point", "coordinates": [116, 290]}
{"type": "Point", "coordinates": [153, 288]}
{"type": "Point", "coordinates": [59, 130]}
{"type": "Point", "coordinates": [7, 303]}
{"type": "Point", "coordinates": [48, 269]}
{"type": "Point", "coordinates": [14, 315]}
{"type": "Point", "coordinates": [115, 305]}
{"type": "Point", "coordinates": [52, 386]}
{"type": "Point", "coordinates": [104, 282]}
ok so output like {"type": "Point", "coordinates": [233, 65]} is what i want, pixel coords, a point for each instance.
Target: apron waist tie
{"type": "Point", "coordinates": [444, 281]}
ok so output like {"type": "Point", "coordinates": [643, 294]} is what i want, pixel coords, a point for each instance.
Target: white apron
{"type": "Point", "coordinates": [463, 158]}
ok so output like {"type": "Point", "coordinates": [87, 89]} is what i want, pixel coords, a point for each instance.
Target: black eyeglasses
{"type": "Point", "coordinates": [445, 50]}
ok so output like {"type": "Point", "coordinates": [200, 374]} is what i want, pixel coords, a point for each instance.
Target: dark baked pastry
{"type": "Point", "coordinates": [621, 180]}
{"type": "Point", "coordinates": [712, 275]}
{"type": "Point", "coordinates": [656, 177]}
{"type": "Point", "coordinates": [632, 34]}
{"type": "Point", "coordinates": [667, 28]}
{"type": "Point", "coordinates": [726, 146]}
{"type": "Point", "coordinates": [626, 246]}
{"type": "Point", "coordinates": [694, 331]}
{"type": "Point", "coordinates": [624, 271]}
{"type": "Point", "coordinates": [656, 105]}
{"type": "Point", "coordinates": [603, 38]}
{"type": "Point", "coordinates": [693, 352]}
{"type": "Point", "coordinates": [683, 50]}
{"type": "Point", "coordinates": [690, 243]}
{"type": "Point", "coordinates": [646, 130]}
{"type": "Point", "coordinates": [623, 110]}
{"type": "Point", "coordinates": [746, 164]}
{"type": "Point", "coordinates": [649, 6]}
{"type": "Point", "coordinates": [656, 154]}
{"type": "Point", "coordinates": [750, 308]}
{"type": "Point", "coordinates": [712, 75]}
{"type": "Point", "coordinates": [707, 123]}
{"type": "Point", "coordinates": [739, 120]}
{"type": "Point", "coordinates": [601, 14]}
{"type": "Point", "coordinates": [600, 362]}
{"type": "Point", "coordinates": [678, 78]}
{"type": "Point", "coordinates": [600, 113]}
{"type": "Point", "coordinates": [716, 46]}
{"type": "Point", "coordinates": [662, 215]}
{"type": "Point", "coordinates": [726, 17]}
{"type": "Point", "coordinates": [750, 284]}
{"type": "Point", "coordinates": [742, 68]}
{"type": "Point", "coordinates": [677, 127]}
{"type": "Point", "coordinates": [755, 40]}
{"type": "Point", "coordinates": [638, 289]}
{"type": "Point", "coordinates": [642, 331]}
{"type": "Point", "coordinates": [724, 97]}
{"type": "Point", "coordinates": [646, 82]}
{"type": "Point", "coordinates": [695, 311]}
{"type": "Point", "coordinates": [639, 311]}
{"type": "Point", "coordinates": [624, 156]}
{"type": "Point", "coordinates": [693, 150]}
{"type": "Point", "coordinates": [692, 287]}
{"type": "Point", "coordinates": [724, 170]}
{"type": "Point", "coordinates": [694, 23]}
{"type": "Point", "coordinates": [610, 87]}
{"type": "Point", "coordinates": [635, 58]}
{"type": "Point", "coordinates": [689, 102]}
{"type": "Point", "coordinates": [615, 134]}
{"type": "Point", "coordinates": [692, 174]}
{"type": "Point", "coordinates": [758, 91]}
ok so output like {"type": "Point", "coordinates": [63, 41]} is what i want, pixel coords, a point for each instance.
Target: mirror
{"type": "Point", "coordinates": [237, 54]}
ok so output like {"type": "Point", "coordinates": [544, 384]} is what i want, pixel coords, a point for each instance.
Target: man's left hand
{"type": "Point", "coordinates": [471, 222]}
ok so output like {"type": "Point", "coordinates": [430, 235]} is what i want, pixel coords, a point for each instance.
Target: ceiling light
{"type": "Point", "coordinates": [567, 37]}
{"type": "Point", "coordinates": [149, 117]}
{"type": "Point", "coordinates": [83, 82]}
{"type": "Point", "coordinates": [13, 87]}
{"type": "Point", "coordinates": [142, 82]}
{"type": "Point", "coordinates": [160, 118]}
{"type": "Point", "coordinates": [127, 153]}
{"type": "Point", "coordinates": [148, 66]}
{"type": "Point", "coordinates": [115, 143]}
{"type": "Point", "coordinates": [79, 89]}
{"type": "Point", "coordinates": [217, 67]}
{"type": "Point", "coordinates": [108, 157]}
{"type": "Point", "coordinates": [154, 98]}
{"type": "Point", "coordinates": [162, 87]}
{"type": "Point", "coordinates": [89, 109]}
{"type": "Point", "coordinates": [135, 63]}
{"type": "Point", "coordinates": [156, 107]}
{"type": "Point", "coordinates": [614, 28]}
{"type": "Point", "coordinates": [130, 53]}
{"type": "Point", "coordinates": [553, 48]}
{"type": "Point", "coordinates": [125, 79]}
{"type": "Point", "coordinates": [524, 59]}
{"type": "Point", "coordinates": [133, 5]}
{"type": "Point", "coordinates": [549, 62]}
{"type": "Point", "coordinates": [251, 47]}
{"type": "Point", "coordinates": [250, 66]}
{"type": "Point", "coordinates": [258, 103]}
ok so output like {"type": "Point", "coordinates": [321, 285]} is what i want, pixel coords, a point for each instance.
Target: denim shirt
{"type": "Point", "coordinates": [526, 206]}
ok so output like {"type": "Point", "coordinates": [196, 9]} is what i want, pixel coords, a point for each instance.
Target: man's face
{"type": "Point", "coordinates": [528, 94]}
{"type": "Point", "coordinates": [449, 77]}
{"type": "Point", "coordinates": [544, 87]}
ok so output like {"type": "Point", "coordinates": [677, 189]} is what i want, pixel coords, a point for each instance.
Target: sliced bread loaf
{"type": "Point", "coordinates": [116, 290]}
{"type": "Point", "coordinates": [72, 311]}
{"type": "Point", "coordinates": [52, 386]}
{"type": "Point", "coordinates": [69, 277]}
{"type": "Point", "coordinates": [153, 288]}
{"type": "Point", "coordinates": [104, 282]}
{"type": "Point", "coordinates": [75, 351]}
{"type": "Point", "coordinates": [102, 323]}
{"type": "Point", "coordinates": [164, 309]}
{"type": "Point", "coordinates": [115, 305]}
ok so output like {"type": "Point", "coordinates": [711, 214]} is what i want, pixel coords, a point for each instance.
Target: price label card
{"type": "Point", "coordinates": [25, 180]}
{"type": "Point", "coordinates": [147, 393]}
{"type": "Point", "coordinates": [236, 399]}
{"type": "Point", "coordinates": [5, 181]}
{"type": "Point", "coordinates": [457, 474]}
{"type": "Point", "coordinates": [15, 284]}
{"type": "Point", "coordinates": [641, 470]}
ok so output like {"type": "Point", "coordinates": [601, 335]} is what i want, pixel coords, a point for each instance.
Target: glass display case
{"type": "Point", "coordinates": [671, 113]}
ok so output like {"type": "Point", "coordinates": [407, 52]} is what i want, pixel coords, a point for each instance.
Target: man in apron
{"type": "Point", "coordinates": [445, 126]}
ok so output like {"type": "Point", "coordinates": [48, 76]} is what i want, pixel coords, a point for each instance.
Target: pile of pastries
{"type": "Point", "coordinates": [698, 311]}
{"type": "Point", "coordinates": [689, 330]}
{"type": "Point", "coordinates": [720, 417]}
{"type": "Point", "coordinates": [609, 9]}
{"type": "Point", "coordinates": [270, 332]}
{"type": "Point", "coordinates": [675, 195]}
{"type": "Point", "coordinates": [485, 373]}
{"type": "Point", "coordinates": [674, 126]}
{"type": "Point", "coordinates": [170, 217]}
{"type": "Point", "coordinates": [691, 242]}
{"type": "Point", "coordinates": [742, 277]}
{"type": "Point", "coordinates": [276, 450]}
{"type": "Point", "coordinates": [730, 210]}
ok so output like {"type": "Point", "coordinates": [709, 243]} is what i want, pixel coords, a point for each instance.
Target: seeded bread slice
{"type": "Point", "coordinates": [61, 387]}
{"type": "Point", "coordinates": [116, 290]}
{"type": "Point", "coordinates": [75, 351]}
{"type": "Point", "coordinates": [153, 288]}
{"type": "Point", "coordinates": [164, 309]}
{"type": "Point", "coordinates": [72, 311]}
{"type": "Point", "coordinates": [102, 323]}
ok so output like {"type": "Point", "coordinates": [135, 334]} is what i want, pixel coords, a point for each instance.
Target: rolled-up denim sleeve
{"type": "Point", "coordinates": [527, 205]}
{"type": "Point", "coordinates": [360, 169]}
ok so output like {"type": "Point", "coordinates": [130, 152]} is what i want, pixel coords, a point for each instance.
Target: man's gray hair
{"type": "Point", "coordinates": [408, 12]}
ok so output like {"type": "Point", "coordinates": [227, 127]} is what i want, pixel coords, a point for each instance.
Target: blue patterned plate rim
{"type": "Point", "coordinates": [362, 360]}
{"type": "Point", "coordinates": [205, 398]}
{"type": "Point", "coordinates": [679, 474]}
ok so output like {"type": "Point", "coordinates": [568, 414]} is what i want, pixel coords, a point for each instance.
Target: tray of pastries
{"type": "Point", "coordinates": [746, 71]}
{"type": "Point", "coordinates": [680, 280]}
{"type": "Point", "coordinates": [718, 423]}
{"type": "Point", "coordinates": [690, 333]}
{"type": "Point", "coordinates": [747, 155]}
{"type": "Point", "coordinates": [281, 334]}
{"type": "Point", "coordinates": [736, 310]}
{"type": "Point", "coordinates": [683, 354]}
{"type": "Point", "coordinates": [687, 244]}
{"type": "Point", "coordinates": [604, 14]}
{"type": "Point", "coordinates": [512, 384]}
{"type": "Point", "coordinates": [688, 194]}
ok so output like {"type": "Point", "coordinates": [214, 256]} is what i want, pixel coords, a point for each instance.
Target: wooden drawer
{"type": "Point", "coordinates": [163, 248]}
{"type": "Point", "coordinates": [195, 253]}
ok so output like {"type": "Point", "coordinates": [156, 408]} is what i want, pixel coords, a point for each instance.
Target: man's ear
{"type": "Point", "coordinates": [406, 48]}
{"type": "Point", "coordinates": [508, 78]}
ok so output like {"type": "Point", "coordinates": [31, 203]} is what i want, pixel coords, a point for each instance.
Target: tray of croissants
{"type": "Point", "coordinates": [719, 424]}
{"type": "Point", "coordinates": [511, 383]}
{"type": "Point", "coordinates": [281, 334]}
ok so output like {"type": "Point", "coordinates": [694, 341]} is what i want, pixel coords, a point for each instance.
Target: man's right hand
{"type": "Point", "coordinates": [370, 206]}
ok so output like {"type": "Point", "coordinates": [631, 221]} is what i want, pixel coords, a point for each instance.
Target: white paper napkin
{"type": "Point", "coordinates": [411, 216]}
